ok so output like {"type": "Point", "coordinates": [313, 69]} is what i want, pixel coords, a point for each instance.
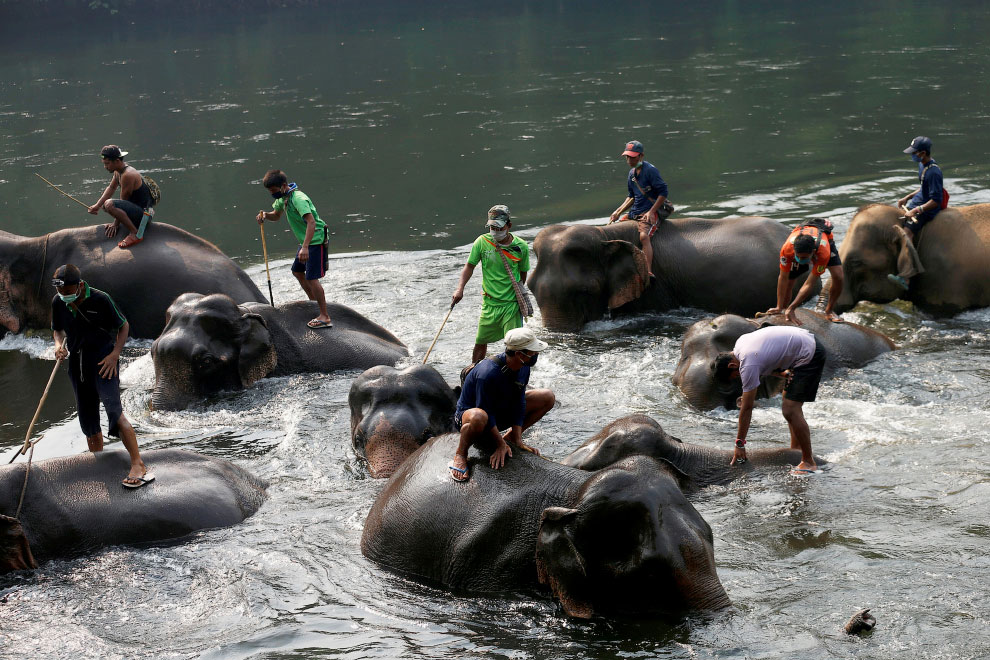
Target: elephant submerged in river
{"type": "Point", "coordinates": [954, 250]}
{"type": "Point", "coordinates": [728, 265]}
{"type": "Point", "coordinates": [211, 344]}
{"type": "Point", "coordinates": [143, 280]}
{"type": "Point", "coordinates": [622, 539]}
{"type": "Point", "coordinates": [74, 504]}
{"type": "Point", "coordinates": [846, 344]}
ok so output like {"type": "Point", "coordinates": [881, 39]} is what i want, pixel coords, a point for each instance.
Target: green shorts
{"type": "Point", "coordinates": [497, 318]}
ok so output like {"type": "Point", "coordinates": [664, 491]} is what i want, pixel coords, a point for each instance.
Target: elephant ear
{"type": "Point", "coordinates": [908, 260]}
{"type": "Point", "coordinates": [626, 271]}
{"type": "Point", "coordinates": [559, 564]}
{"type": "Point", "coordinates": [15, 551]}
{"type": "Point", "coordinates": [257, 357]}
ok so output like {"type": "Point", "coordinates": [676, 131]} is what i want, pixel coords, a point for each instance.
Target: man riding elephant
{"type": "Point", "coordinates": [921, 206]}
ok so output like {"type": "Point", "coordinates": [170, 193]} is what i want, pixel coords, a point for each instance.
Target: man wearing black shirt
{"type": "Point", "coordinates": [91, 331]}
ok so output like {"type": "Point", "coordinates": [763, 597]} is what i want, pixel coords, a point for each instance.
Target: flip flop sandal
{"type": "Point", "coordinates": [316, 324]}
{"type": "Point", "coordinates": [454, 471]}
{"type": "Point", "coordinates": [130, 241]}
{"type": "Point", "coordinates": [145, 478]}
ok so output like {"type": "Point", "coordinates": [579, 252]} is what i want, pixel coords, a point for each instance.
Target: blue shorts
{"type": "Point", "coordinates": [316, 267]}
{"type": "Point", "coordinates": [92, 389]}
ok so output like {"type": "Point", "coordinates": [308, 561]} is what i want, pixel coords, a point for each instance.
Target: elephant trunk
{"type": "Point", "coordinates": [387, 439]}
{"type": "Point", "coordinates": [15, 551]}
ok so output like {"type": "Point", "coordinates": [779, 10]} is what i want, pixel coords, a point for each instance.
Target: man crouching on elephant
{"type": "Point", "coordinates": [809, 246]}
{"type": "Point", "coordinates": [779, 350]}
{"type": "Point", "coordinates": [494, 407]}
{"type": "Point", "coordinates": [91, 331]}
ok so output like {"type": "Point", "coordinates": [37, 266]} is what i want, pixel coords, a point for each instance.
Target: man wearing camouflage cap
{"type": "Point", "coordinates": [499, 306]}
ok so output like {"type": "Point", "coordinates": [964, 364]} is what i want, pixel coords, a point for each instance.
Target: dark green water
{"type": "Point", "coordinates": [405, 122]}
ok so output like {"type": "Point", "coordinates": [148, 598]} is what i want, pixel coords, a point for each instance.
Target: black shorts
{"type": "Point", "coordinates": [804, 381]}
{"type": "Point", "coordinates": [134, 212]}
{"type": "Point", "coordinates": [833, 260]}
{"type": "Point", "coordinates": [917, 222]}
{"type": "Point", "coordinates": [91, 389]}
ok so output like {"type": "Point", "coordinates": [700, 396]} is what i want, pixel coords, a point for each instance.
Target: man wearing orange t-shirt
{"type": "Point", "coordinates": [809, 247]}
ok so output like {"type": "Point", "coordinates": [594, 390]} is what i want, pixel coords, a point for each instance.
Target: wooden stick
{"type": "Point", "coordinates": [27, 436]}
{"type": "Point", "coordinates": [62, 191]}
{"type": "Point", "coordinates": [438, 333]}
{"type": "Point", "coordinates": [264, 247]}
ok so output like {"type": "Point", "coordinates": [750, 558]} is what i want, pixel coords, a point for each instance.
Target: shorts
{"type": "Point", "coordinates": [649, 228]}
{"type": "Point", "coordinates": [833, 260]}
{"type": "Point", "coordinates": [917, 222]}
{"type": "Point", "coordinates": [91, 389]}
{"type": "Point", "coordinates": [317, 265]}
{"type": "Point", "coordinates": [497, 318]}
{"type": "Point", "coordinates": [137, 215]}
{"type": "Point", "coordinates": [804, 381]}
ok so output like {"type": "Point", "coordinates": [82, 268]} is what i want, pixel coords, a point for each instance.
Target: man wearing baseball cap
{"type": "Point", "coordinates": [495, 408]}
{"type": "Point", "coordinates": [135, 198]}
{"type": "Point", "coordinates": [499, 306]}
{"type": "Point", "coordinates": [647, 199]}
{"type": "Point", "coordinates": [920, 206]}
{"type": "Point", "coordinates": [90, 330]}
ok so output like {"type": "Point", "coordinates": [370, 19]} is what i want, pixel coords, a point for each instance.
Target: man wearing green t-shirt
{"type": "Point", "coordinates": [312, 259]}
{"type": "Point", "coordinates": [499, 308]}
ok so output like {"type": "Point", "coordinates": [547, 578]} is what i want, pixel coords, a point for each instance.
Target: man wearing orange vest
{"type": "Point", "coordinates": [809, 247]}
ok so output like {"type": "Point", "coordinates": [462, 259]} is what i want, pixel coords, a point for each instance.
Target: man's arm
{"type": "Point", "coordinates": [61, 352]}
{"type": "Point", "coordinates": [108, 365]}
{"type": "Point", "coordinates": [466, 273]}
{"type": "Point", "coordinates": [746, 402]}
{"type": "Point", "coordinates": [274, 216]}
{"type": "Point", "coordinates": [619, 211]}
{"type": "Point", "coordinates": [785, 285]}
{"type": "Point", "coordinates": [303, 253]}
{"type": "Point", "coordinates": [907, 198]}
{"type": "Point", "coordinates": [803, 294]}
{"type": "Point", "coordinates": [107, 194]}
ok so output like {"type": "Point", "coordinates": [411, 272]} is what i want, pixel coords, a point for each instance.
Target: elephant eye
{"type": "Point", "coordinates": [206, 362]}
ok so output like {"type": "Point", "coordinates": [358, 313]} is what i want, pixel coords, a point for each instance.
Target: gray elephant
{"type": "Point", "coordinates": [211, 344]}
{"type": "Point", "coordinates": [623, 539]}
{"type": "Point", "coordinates": [74, 504]}
{"type": "Point", "coordinates": [954, 250]}
{"type": "Point", "coordinates": [143, 280]}
{"type": "Point", "coordinates": [728, 265]}
{"type": "Point", "coordinates": [639, 435]}
{"type": "Point", "coordinates": [393, 412]}
{"type": "Point", "coordinates": [846, 345]}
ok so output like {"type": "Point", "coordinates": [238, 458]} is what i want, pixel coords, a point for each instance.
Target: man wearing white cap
{"type": "Point", "coordinates": [495, 408]}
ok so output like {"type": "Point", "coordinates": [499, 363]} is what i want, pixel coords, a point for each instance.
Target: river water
{"type": "Point", "coordinates": [405, 124]}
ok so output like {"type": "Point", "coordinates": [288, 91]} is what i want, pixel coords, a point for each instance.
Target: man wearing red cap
{"type": "Point", "coordinates": [647, 199]}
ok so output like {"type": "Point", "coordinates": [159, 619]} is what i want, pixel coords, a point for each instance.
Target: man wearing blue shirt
{"type": "Point", "coordinates": [494, 407]}
{"type": "Point", "coordinates": [647, 199]}
{"type": "Point", "coordinates": [922, 205]}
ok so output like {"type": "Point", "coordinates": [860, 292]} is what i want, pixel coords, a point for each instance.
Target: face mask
{"type": "Point", "coordinates": [916, 158]}
{"type": "Point", "coordinates": [499, 234]}
{"type": "Point", "coordinates": [802, 261]}
{"type": "Point", "coordinates": [68, 298]}
{"type": "Point", "coordinates": [280, 194]}
{"type": "Point", "coordinates": [532, 360]}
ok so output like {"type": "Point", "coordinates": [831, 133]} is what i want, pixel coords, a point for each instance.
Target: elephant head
{"type": "Point", "coordinates": [631, 542]}
{"type": "Point", "coordinates": [15, 551]}
{"type": "Point", "coordinates": [393, 412]}
{"type": "Point", "coordinates": [702, 343]}
{"type": "Point", "coordinates": [584, 271]}
{"type": "Point", "coordinates": [209, 344]}
{"type": "Point", "coordinates": [633, 435]}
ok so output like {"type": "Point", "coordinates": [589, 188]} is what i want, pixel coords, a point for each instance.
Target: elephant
{"type": "Point", "coordinates": [954, 249]}
{"type": "Point", "coordinates": [622, 539]}
{"type": "Point", "coordinates": [640, 435]}
{"type": "Point", "coordinates": [584, 272]}
{"type": "Point", "coordinates": [846, 344]}
{"type": "Point", "coordinates": [74, 504]}
{"type": "Point", "coordinates": [143, 280]}
{"type": "Point", "coordinates": [393, 412]}
{"type": "Point", "coordinates": [211, 344]}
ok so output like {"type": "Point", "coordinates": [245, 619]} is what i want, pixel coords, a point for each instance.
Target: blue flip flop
{"type": "Point", "coordinates": [454, 470]}
{"type": "Point", "coordinates": [803, 472]}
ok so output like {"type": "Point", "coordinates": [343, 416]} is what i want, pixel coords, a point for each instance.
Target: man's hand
{"type": "Point", "coordinates": [525, 447]}
{"type": "Point", "coordinates": [456, 298]}
{"type": "Point", "coordinates": [108, 365]}
{"type": "Point", "coordinates": [260, 217]}
{"type": "Point", "coordinates": [498, 457]}
{"type": "Point", "coordinates": [738, 456]}
{"type": "Point", "coordinates": [111, 229]}
{"type": "Point", "coordinates": [61, 352]}
{"type": "Point", "coordinates": [612, 218]}
{"type": "Point", "coordinates": [303, 254]}
{"type": "Point", "coordinates": [791, 316]}
{"type": "Point", "coordinates": [772, 311]}
{"type": "Point", "coordinates": [94, 209]}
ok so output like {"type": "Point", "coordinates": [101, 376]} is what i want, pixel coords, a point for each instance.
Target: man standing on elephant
{"type": "Point", "coordinates": [90, 330]}
{"type": "Point", "coordinates": [133, 208]}
{"type": "Point", "coordinates": [312, 258]}
{"type": "Point", "coordinates": [921, 206]}
{"type": "Point", "coordinates": [495, 408]}
{"type": "Point", "coordinates": [647, 197]}
{"type": "Point", "coordinates": [785, 351]}
{"type": "Point", "coordinates": [504, 258]}
{"type": "Point", "coordinates": [809, 247]}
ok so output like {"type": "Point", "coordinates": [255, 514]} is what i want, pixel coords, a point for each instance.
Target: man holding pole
{"type": "Point", "coordinates": [312, 258]}
{"type": "Point", "coordinates": [91, 331]}
{"type": "Point", "coordinates": [504, 260]}
{"type": "Point", "coordinates": [132, 209]}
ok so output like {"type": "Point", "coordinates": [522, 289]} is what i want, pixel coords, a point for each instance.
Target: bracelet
{"type": "Point", "coordinates": [740, 443]}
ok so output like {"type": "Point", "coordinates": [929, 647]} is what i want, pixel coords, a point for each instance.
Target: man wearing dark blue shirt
{"type": "Point", "coordinates": [922, 205]}
{"type": "Point", "coordinates": [647, 199]}
{"type": "Point", "coordinates": [494, 407]}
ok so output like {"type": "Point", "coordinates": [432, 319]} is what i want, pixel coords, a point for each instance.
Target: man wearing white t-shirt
{"type": "Point", "coordinates": [785, 351]}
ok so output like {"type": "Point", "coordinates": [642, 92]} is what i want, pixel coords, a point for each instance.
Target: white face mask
{"type": "Point", "coordinates": [499, 234]}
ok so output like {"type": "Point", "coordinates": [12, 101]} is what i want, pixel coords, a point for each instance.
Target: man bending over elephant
{"type": "Point", "coordinates": [91, 331]}
{"type": "Point", "coordinates": [132, 209]}
{"type": "Point", "coordinates": [921, 206]}
{"type": "Point", "coordinates": [504, 258]}
{"type": "Point", "coordinates": [809, 246]}
{"type": "Point", "coordinates": [494, 407]}
{"type": "Point", "coordinates": [647, 197]}
{"type": "Point", "coordinates": [312, 258]}
{"type": "Point", "coordinates": [781, 351]}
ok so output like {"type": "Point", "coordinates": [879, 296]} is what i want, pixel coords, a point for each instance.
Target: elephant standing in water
{"type": "Point", "coordinates": [954, 250]}
{"type": "Point", "coordinates": [212, 344]}
{"type": "Point", "coordinates": [74, 504]}
{"type": "Point", "coordinates": [728, 265]}
{"type": "Point", "coordinates": [143, 280]}
{"type": "Point", "coordinates": [846, 345]}
{"type": "Point", "coordinates": [623, 539]}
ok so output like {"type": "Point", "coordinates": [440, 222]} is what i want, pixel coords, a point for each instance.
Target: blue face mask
{"type": "Point", "coordinates": [801, 261]}
{"type": "Point", "coordinates": [916, 158]}
{"type": "Point", "coordinates": [69, 298]}
{"type": "Point", "coordinates": [280, 194]}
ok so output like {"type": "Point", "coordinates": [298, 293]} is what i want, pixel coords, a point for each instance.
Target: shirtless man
{"type": "Point", "coordinates": [135, 197]}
